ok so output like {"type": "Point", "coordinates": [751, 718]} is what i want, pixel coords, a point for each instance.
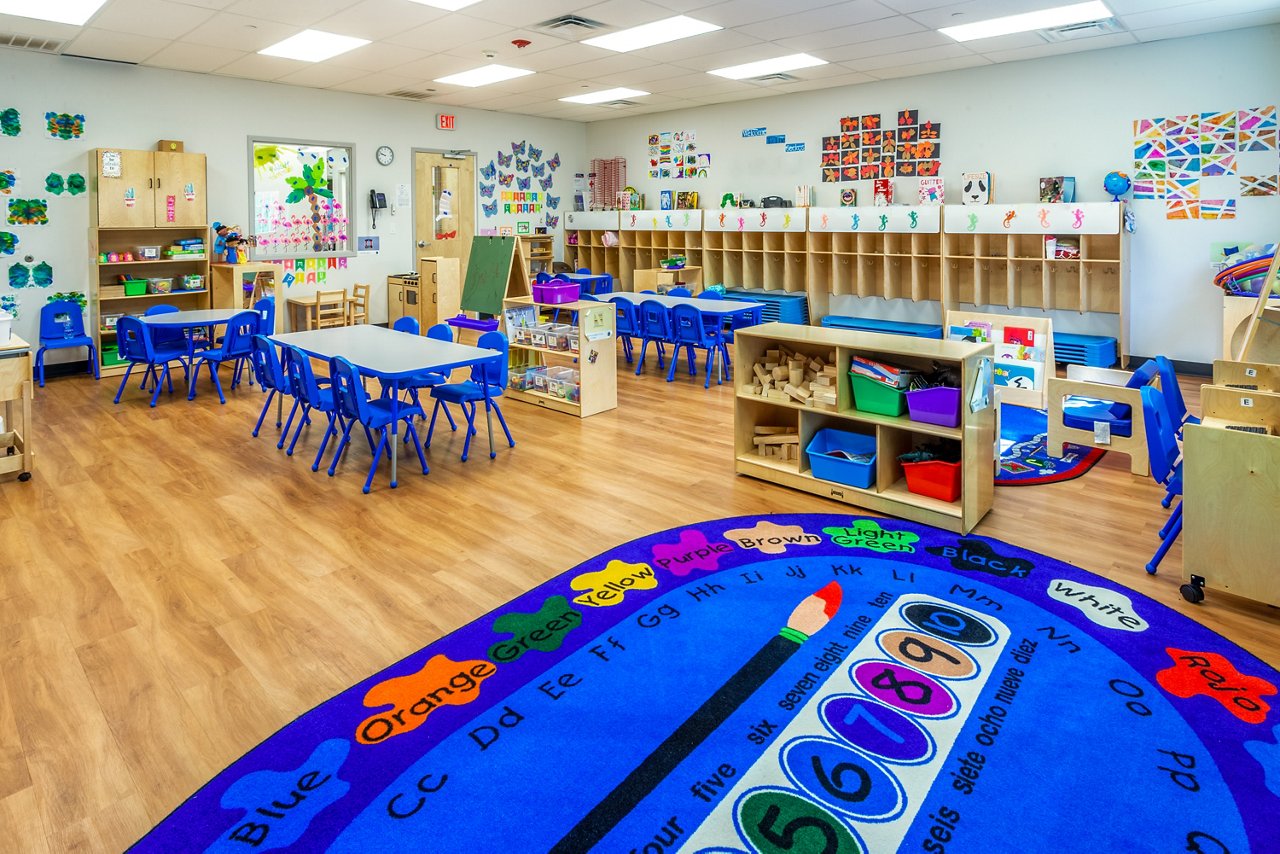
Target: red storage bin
{"type": "Point", "coordinates": [555, 292]}
{"type": "Point", "coordinates": [934, 478]}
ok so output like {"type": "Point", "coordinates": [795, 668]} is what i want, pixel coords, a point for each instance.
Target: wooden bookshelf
{"type": "Point", "coordinates": [592, 354]}
{"type": "Point", "coordinates": [894, 435]}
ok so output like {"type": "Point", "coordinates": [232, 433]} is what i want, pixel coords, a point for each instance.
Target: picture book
{"type": "Point", "coordinates": [976, 188]}
{"type": "Point", "coordinates": [882, 192]}
{"type": "Point", "coordinates": [890, 375]}
{"type": "Point", "coordinates": [1016, 374]}
{"type": "Point", "coordinates": [1020, 335]}
{"type": "Point", "coordinates": [931, 191]}
{"type": "Point", "coordinates": [1019, 352]}
{"type": "Point", "coordinates": [979, 330]}
{"type": "Point", "coordinates": [1051, 189]}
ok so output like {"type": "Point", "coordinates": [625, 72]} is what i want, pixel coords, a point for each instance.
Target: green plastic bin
{"type": "Point", "coordinates": [135, 287]}
{"type": "Point", "coordinates": [872, 396]}
{"type": "Point", "coordinates": [110, 356]}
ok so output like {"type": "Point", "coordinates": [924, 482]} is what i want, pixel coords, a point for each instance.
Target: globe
{"type": "Point", "coordinates": [1117, 184]}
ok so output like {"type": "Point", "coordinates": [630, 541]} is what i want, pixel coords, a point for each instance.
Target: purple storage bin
{"type": "Point", "coordinates": [555, 292]}
{"type": "Point", "coordinates": [939, 405]}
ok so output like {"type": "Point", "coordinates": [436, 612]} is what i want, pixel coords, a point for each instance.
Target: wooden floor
{"type": "Point", "coordinates": [172, 591]}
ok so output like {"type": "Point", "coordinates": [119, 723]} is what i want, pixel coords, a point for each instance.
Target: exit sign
{"type": "Point", "coordinates": [445, 121]}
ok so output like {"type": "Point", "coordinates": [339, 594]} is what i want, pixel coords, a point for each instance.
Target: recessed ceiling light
{"type": "Point", "coordinates": [59, 11]}
{"type": "Point", "coordinates": [606, 95]}
{"type": "Point", "coordinates": [313, 46]}
{"type": "Point", "coordinates": [769, 66]}
{"type": "Point", "coordinates": [647, 35]}
{"type": "Point", "coordinates": [484, 75]}
{"type": "Point", "coordinates": [447, 5]}
{"type": "Point", "coordinates": [1060, 16]}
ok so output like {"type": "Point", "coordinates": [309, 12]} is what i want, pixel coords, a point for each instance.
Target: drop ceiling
{"type": "Point", "coordinates": [412, 45]}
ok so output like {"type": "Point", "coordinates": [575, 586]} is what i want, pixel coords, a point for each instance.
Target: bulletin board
{"type": "Point", "coordinates": [301, 198]}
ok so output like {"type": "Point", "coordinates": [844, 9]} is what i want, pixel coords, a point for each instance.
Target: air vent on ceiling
{"type": "Point", "coordinates": [411, 95]}
{"type": "Point", "coordinates": [617, 105]}
{"type": "Point", "coordinates": [35, 43]}
{"type": "Point", "coordinates": [778, 77]}
{"type": "Point", "coordinates": [569, 26]}
{"type": "Point", "coordinates": [1082, 30]}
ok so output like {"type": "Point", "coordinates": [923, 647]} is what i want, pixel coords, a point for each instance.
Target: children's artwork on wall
{"type": "Point", "coordinates": [8, 181]}
{"type": "Point", "coordinates": [553, 221]}
{"type": "Point", "coordinates": [302, 195]}
{"type": "Point", "coordinates": [53, 183]}
{"type": "Point", "coordinates": [1217, 208]}
{"type": "Point", "coordinates": [518, 196]}
{"type": "Point", "coordinates": [64, 125]}
{"type": "Point", "coordinates": [19, 276]}
{"type": "Point", "coordinates": [77, 297]}
{"type": "Point", "coordinates": [28, 212]}
{"type": "Point", "coordinates": [9, 303]}
{"type": "Point", "coordinates": [489, 172]}
{"type": "Point", "coordinates": [76, 185]}
{"type": "Point", "coordinates": [1259, 185]}
{"type": "Point", "coordinates": [8, 242]}
{"type": "Point", "coordinates": [42, 275]}
{"type": "Point", "coordinates": [677, 154]}
{"type": "Point", "coordinates": [10, 122]}
{"type": "Point", "coordinates": [865, 149]}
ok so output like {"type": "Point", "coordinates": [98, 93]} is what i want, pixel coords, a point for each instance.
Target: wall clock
{"type": "Point", "coordinates": [385, 155]}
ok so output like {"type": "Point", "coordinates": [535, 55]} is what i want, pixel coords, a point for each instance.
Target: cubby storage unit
{"type": "Point", "coordinates": [553, 351]}
{"type": "Point", "coordinates": [647, 237]}
{"type": "Point", "coordinates": [588, 228]}
{"type": "Point", "coordinates": [894, 435]}
{"type": "Point", "coordinates": [756, 248]}
{"type": "Point", "coordinates": [995, 255]}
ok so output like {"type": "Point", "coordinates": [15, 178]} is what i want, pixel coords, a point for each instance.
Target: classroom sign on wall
{"type": "Point", "coordinates": [868, 148]}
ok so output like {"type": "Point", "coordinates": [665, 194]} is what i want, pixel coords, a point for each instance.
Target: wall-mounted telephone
{"type": "Point", "coordinates": [377, 202]}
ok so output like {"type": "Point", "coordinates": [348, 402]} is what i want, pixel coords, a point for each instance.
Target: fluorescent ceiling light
{"type": "Point", "coordinates": [59, 11]}
{"type": "Point", "coordinates": [484, 75]}
{"type": "Point", "coordinates": [769, 66]}
{"type": "Point", "coordinates": [606, 95]}
{"type": "Point", "coordinates": [1060, 16]}
{"type": "Point", "coordinates": [447, 5]}
{"type": "Point", "coordinates": [313, 46]}
{"type": "Point", "coordinates": [647, 35]}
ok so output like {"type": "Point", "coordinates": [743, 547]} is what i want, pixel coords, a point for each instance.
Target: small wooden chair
{"type": "Point", "coordinates": [330, 310]}
{"type": "Point", "coordinates": [358, 305]}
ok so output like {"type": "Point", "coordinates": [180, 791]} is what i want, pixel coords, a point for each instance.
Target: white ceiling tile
{"type": "Point", "coordinates": [184, 56]}
{"type": "Point", "coordinates": [740, 13]}
{"type": "Point", "coordinates": [238, 31]}
{"type": "Point", "coordinates": [560, 58]}
{"type": "Point", "coordinates": [871, 31]}
{"type": "Point", "coordinates": [258, 67]}
{"type": "Point", "coordinates": [1195, 28]}
{"type": "Point", "coordinates": [908, 57]}
{"type": "Point", "coordinates": [840, 77]}
{"type": "Point", "coordinates": [686, 7]}
{"type": "Point", "coordinates": [151, 18]}
{"type": "Point", "coordinates": [431, 67]}
{"type": "Point", "coordinates": [522, 13]}
{"type": "Point", "coordinates": [379, 19]}
{"type": "Point", "coordinates": [936, 67]}
{"type": "Point", "coordinates": [1095, 43]}
{"type": "Point", "coordinates": [379, 56]}
{"type": "Point", "coordinates": [882, 47]}
{"type": "Point", "coordinates": [449, 30]}
{"type": "Point", "coordinates": [818, 20]}
{"type": "Point", "coordinates": [621, 14]}
{"type": "Point", "coordinates": [1009, 42]}
{"type": "Point", "coordinates": [676, 53]}
{"type": "Point", "coordinates": [321, 75]}
{"type": "Point", "coordinates": [298, 13]}
{"type": "Point", "coordinates": [208, 4]}
{"type": "Point", "coordinates": [40, 29]}
{"type": "Point", "coordinates": [121, 47]}
{"type": "Point", "coordinates": [1128, 7]}
{"type": "Point", "coordinates": [504, 51]}
{"type": "Point", "coordinates": [1195, 12]}
{"type": "Point", "coordinates": [970, 12]}
{"type": "Point", "coordinates": [380, 84]}
{"type": "Point", "coordinates": [907, 7]}
{"type": "Point", "coordinates": [614, 63]}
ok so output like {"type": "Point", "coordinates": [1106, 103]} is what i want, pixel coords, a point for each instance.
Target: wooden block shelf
{"type": "Point", "coordinates": [894, 434]}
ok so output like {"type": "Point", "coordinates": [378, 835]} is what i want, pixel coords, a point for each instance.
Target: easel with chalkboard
{"type": "Point", "coordinates": [497, 270]}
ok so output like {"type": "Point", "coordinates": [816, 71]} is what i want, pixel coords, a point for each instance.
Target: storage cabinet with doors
{"type": "Point", "coordinates": [147, 189]}
{"type": "Point", "coordinates": [402, 298]}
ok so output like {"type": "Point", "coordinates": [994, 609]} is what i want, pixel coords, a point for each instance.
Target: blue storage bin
{"type": "Point", "coordinates": [835, 468]}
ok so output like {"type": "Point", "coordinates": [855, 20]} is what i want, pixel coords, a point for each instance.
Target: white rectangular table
{"type": "Point", "coordinates": [717, 307]}
{"type": "Point", "coordinates": [391, 357]}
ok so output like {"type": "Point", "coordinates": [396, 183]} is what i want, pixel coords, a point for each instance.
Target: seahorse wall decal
{"type": "Point", "coordinates": [1009, 217]}
{"type": "Point", "coordinates": [1044, 217]}
{"type": "Point", "coordinates": [973, 222]}
{"type": "Point", "coordinates": [1079, 214]}
{"type": "Point", "coordinates": [764, 218]}
{"type": "Point", "coordinates": [884, 221]}
{"type": "Point", "coordinates": [742, 223]}
{"type": "Point", "coordinates": [722, 220]}
{"type": "Point", "coordinates": [915, 218]}
{"type": "Point", "coordinates": [825, 219]}
{"type": "Point", "coordinates": [857, 221]}
{"type": "Point", "coordinates": [786, 222]}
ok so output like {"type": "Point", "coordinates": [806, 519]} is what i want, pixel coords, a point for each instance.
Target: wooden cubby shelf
{"type": "Point", "coordinates": [592, 354]}
{"type": "Point", "coordinates": [894, 435]}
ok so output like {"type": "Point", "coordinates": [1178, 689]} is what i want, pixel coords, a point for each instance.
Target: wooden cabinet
{"type": "Point", "coordinates": [591, 353]}
{"type": "Point", "coordinates": [155, 189]}
{"type": "Point", "coordinates": [894, 435]}
{"type": "Point", "coordinates": [403, 299]}
{"type": "Point", "coordinates": [662, 280]}
{"type": "Point", "coordinates": [440, 290]}
{"type": "Point", "coordinates": [538, 253]}
{"type": "Point", "coordinates": [16, 392]}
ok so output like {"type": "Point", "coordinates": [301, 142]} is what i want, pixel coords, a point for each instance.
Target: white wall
{"type": "Point", "coordinates": [1065, 115]}
{"type": "Point", "coordinates": [133, 107]}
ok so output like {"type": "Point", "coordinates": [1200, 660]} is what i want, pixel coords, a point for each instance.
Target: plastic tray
{"type": "Point", "coordinates": [939, 405]}
{"type": "Point", "coordinates": [933, 478]}
{"type": "Point", "coordinates": [555, 292]}
{"type": "Point", "coordinates": [876, 397]}
{"type": "Point", "coordinates": [839, 470]}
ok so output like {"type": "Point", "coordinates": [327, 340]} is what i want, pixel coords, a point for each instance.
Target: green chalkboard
{"type": "Point", "coordinates": [488, 272]}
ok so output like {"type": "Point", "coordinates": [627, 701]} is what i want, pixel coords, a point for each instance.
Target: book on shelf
{"type": "Point", "coordinates": [974, 330]}
{"type": "Point", "coordinates": [882, 192]}
{"type": "Point", "coordinates": [1016, 374]}
{"type": "Point", "coordinates": [931, 191]}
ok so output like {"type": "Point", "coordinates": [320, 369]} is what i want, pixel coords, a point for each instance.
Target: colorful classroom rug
{"type": "Point", "coordinates": [1024, 458]}
{"type": "Point", "coordinates": [774, 684]}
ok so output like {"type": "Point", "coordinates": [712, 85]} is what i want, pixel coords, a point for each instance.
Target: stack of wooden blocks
{"type": "Point", "coordinates": [794, 377]}
{"type": "Point", "coordinates": [778, 443]}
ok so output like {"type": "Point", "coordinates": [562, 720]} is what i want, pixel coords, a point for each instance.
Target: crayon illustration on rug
{"type": "Point", "coordinates": [781, 684]}
{"type": "Point", "coordinates": [1024, 454]}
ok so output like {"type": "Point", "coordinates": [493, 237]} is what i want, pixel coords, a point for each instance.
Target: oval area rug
{"type": "Point", "coordinates": [786, 683]}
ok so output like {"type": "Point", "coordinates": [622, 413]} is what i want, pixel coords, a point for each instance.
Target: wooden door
{"type": "Point", "coordinates": [444, 203]}
{"type": "Point", "coordinates": [180, 176]}
{"type": "Point", "coordinates": [126, 201]}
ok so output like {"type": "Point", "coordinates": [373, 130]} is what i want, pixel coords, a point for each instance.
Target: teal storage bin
{"type": "Point", "coordinates": [872, 396]}
{"type": "Point", "coordinates": [827, 450]}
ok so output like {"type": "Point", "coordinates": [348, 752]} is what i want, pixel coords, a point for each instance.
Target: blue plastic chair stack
{"type": "Point", "coordinates": [314, 394]}
{"type": "Point", "coordinates": [655, 326]}
{"type": "Point", "coordinates": [356, 407]}
{"type": "Point", "coordinates": [490, 375]}
{"type": "Point", "coordinates": [271, 378]}
{"type": "Point", "coordinates": [236, 347]}
{"type": "Point", "coordinates": [62, 328]}
{"type": "Point", "coordinates": [679, 292]}
{"type": "Point", "coordinates": [689, 331]}
{"type": "Point", "coordinates": [1166, 468]}
{"type": "Point", "coordinates": [626, 323]}
{"type": "Point", "coordinates": [133, 338]}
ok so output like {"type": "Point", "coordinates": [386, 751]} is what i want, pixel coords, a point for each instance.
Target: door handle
{"type": "Point", "coordinates": [422, 244]}
{"type": "Point", "coordinates": [151, 183]}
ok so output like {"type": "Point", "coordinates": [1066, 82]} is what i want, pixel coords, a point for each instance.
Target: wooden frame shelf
{"type": "Point", "coordinates": [975, 434]}
{"type": "Point", "coordinates": [594, 358]}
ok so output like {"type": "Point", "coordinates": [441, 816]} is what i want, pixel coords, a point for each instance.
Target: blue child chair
{"type": "Point", "coordinates": [679, 292]}
{"type": "Point", "coordinates": [689, 331]}
{"type": "Point", "coordinates": [491, 376]}
{"type": "Point", "coordinates": [266, 309]}
{"type": "Point", "coordinates": [236, 347]}
{"type": "Point", "coordinates": [356, 407]}
{"type": "Point", "coordinates": [271, 378]}
{"type": "Point", "coordinates": [655, 326]}
{"type": "Point", "coordinates": [313, 394]}
{"type": "Point", "coordinates": [427, 379]}
{"type": "Point", "coordinates": [133, 338]}
{"type": "Point", "coordinates": [626, 323]}
{"type": "Point", "coordinates": [408, 324]}
{"type": "Point", "coordinates": [62, 328]}
{"type": "Point", "coordinates": [1166, 467]}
